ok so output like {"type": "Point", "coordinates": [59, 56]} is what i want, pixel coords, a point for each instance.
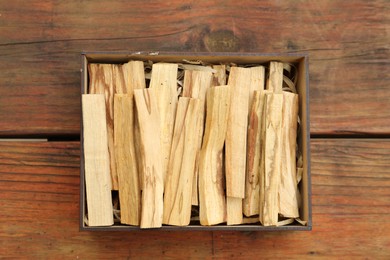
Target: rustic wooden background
{"type": "Point", "coordinates": [349, 47]}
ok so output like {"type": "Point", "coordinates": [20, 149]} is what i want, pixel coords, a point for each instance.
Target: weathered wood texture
{"type": "Point", "coordinates": [39, 193]}
{"type": "Point", "coordinates": [40, 45]}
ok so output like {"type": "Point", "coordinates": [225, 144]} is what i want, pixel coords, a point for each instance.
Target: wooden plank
{"type": "Point", "coordinates": [288, 187]}
{"type": "Point", "coordinates": [195, 85]}
{"type": "Point", "coordinates": [211, 191]}
{"type": "Point", "coordinates": [39, 182]}
{"type": "Point", "coordinates": [151, 163]}
{"type": "Point", "coordinates": [164, 80]}
{"type": "Point", "coordinates": [181, 170]}
{"type": "Point", "coordinates": [126, 160]}
{"type": "Point", "coordinates": [269, 202]}
{"type": "Point", "coordinates": [101, 81]}
{"type": "Point", "coordinates": [96, 161]}
{"type": "Point", "coordinates": [40, 57]}
{"type": "Point", "coordinates": [239, 81]}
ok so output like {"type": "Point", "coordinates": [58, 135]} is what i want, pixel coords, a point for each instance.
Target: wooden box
{"type": "Point", "coordinates": [300, 62]}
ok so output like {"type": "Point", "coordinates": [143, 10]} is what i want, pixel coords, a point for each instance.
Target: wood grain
{"type": "Point", "coordinates": [40, 45]}
{"type": "Point", "coordinates": [39, 183]}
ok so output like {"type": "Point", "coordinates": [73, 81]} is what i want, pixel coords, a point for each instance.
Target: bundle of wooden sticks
{"type": "Point", "coordinates": [222, 138]}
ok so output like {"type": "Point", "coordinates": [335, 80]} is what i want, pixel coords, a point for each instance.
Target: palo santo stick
{"type": "Point", "coordinates": [288, 189]}
{"type": "Point", "coordinates": [219, 77]}
{"type": "Point", "coordinates": [252, 188]}
{"type": "Point", "coordinates": [239, 82]}
{"type": "Point", "coordinates": [252, 192]}
{"type": "Point", "coordinates": [151, 163]}
{"type": "Point", "coordinates": [126, 162]}
{"type": "Point", "coordinates": [195, 85]}
{"type": "Point", "coordinates": [118, 79]}
{"type": "Point", "coordinates": [257, 82]}
{"type": "Point", "coordinates": [233, 210]}
{"type": "Point", "coordinates": [275, 79]}
{"type": "Point", "coordinates": [181, 170]}
{"type": "Point", "coordinates": [164, 80]}
{"type": "Point", "coordinates": [101, 82]}
{"type": "Point", "coordinates": [134, 78]}
{"type": "Point", "coordinates": [96, 161]}
{"type": "Point", "coordinates": [272, 159]}
{"type": "Point", "coordinates": [211, 193]}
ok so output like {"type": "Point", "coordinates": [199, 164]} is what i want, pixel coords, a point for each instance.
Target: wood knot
{"type": "Point", "coordinates": [222, 41]}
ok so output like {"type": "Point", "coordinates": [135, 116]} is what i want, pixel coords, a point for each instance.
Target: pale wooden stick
{"type": "Point", "coordinates": [181, 170]}
{"type": "Point", "coordinates": [233, 210]}
{"type": "Point", "coordinates": [275, 79]}
{"type": "Point", "coordinates": [118, 80]}
{"type": "Point", "coordinates": [288, 189]}
{"type": "Point", "coordinates": [96, 161]}
{"type": "Point", "coordinates": [272, 163]}
{"type": "Point", "coordinates": [239, 81]}
{"type": "Point", "coordinates": [126, 162]}
{"type": "Point", "coordinates": [151, 163]}
{"type": "Point", "coordinates": [219, 77]}
{"type": "Point", "coordinates": [134, 77]}
{"type": "Point", "coordinates": [164, 80]}
{"type": "Point", "coordinates": [256, 104]}
{"type": "Point", "coordinates": [257, 82]}
{"type": "Point", "coordinates": [252, 188]}
{"type": "Point", "coordinates": [195, 85]}
{"type": "Point", "coordinates": [101, 82]}
{"type": "Point", "coordinates": [211, 193]}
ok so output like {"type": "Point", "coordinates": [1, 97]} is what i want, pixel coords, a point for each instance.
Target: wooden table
{"type": "Point", "coordinates": [349, 47]}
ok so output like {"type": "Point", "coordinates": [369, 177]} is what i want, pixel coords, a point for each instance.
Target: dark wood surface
{"type": "Point", "coordinates": [39, 210]}
{"type": "Point", "coordinates": [348, 43]}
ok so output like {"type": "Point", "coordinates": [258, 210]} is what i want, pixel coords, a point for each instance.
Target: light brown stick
{"type": "Point", "coordinates": [195, 85]}
{"type": "Point", "coordinates": [134, 78]}
{"type": "Point", "coordinates": [164, 80]}
{"type": "Point", "coordinates": [272, 164]}
{"type": "Point", "coordinates": [288, 189]}
{"type": "Point", "coordinates": [219, 77]}
{"type": "Point", "coordinates": [101, 82]}
{"type": "Point", "coordinates": [211, 193]}
{"type": "Point", "coordinates": [151, 163]}
{"type": "Point", "coordinates": [252, 188]}
{"type": "Point", "coordinates": [275, 79]}
{"type": "Point", "coordinates": [96, 161]}
{"type": "Point", "coordinates": [126, 162]}
{"type": "Point", "coordinates": [181, 170]}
